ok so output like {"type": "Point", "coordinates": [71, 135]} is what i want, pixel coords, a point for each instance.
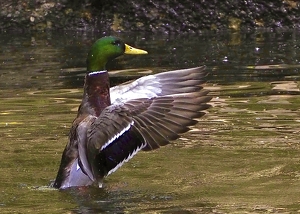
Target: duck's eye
{"type": "Point", "coordinates": [116, 42]}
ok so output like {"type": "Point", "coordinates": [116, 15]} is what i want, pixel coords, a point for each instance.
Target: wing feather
{"type": "Point", "coordinates": [168, 104]}
{"type": "Point", "coordinates": [162, 84]}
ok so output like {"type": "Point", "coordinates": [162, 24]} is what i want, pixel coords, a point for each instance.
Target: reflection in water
{"type": "Point", "coordinates": [92, 200]}
{"type": "Point", "coordinates": [243, 156]}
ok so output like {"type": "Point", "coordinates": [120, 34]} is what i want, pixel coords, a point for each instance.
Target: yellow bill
{"type": "Point", "coordinates": [132, 50]}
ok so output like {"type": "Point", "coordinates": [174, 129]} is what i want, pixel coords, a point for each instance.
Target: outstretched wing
{"type": "Point", "coordinates": [122, 130]}
{"type": "Point", "coordinates": [166, 83]}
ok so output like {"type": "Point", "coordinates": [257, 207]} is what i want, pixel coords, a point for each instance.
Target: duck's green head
{"type": "Point", "coordinates": [106, 49]}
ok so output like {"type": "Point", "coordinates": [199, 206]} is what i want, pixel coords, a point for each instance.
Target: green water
{"type": "Point", "coordinates": [243, 156]}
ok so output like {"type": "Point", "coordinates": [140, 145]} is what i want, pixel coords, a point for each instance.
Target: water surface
{"type": "Point", "coordinates": [243, 157]}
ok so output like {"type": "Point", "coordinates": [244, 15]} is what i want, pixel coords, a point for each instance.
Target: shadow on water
{"type": "Point", "coordinates": [232, 56]}
{"type": "Point", "coordinates": [242, 157]}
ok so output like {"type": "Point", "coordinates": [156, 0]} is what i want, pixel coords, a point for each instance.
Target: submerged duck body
{"type": "Point", "coordinates": [113, 124]}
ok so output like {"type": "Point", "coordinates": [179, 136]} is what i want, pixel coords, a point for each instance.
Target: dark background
{"type": "Point", "coordinates": [164, 16]}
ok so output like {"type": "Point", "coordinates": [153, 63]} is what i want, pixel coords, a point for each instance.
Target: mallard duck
{"type": "Point", "coordinates": [113, 124]}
